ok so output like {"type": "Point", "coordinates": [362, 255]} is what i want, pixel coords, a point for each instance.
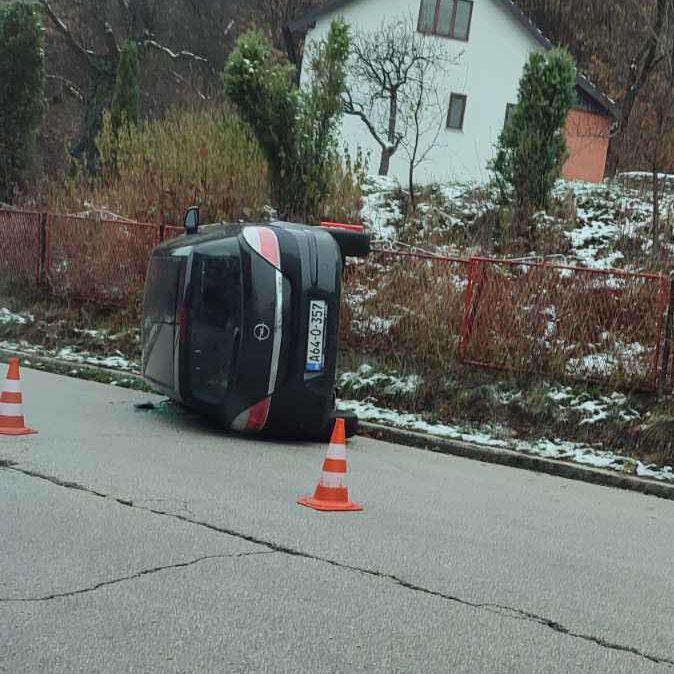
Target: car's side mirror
{"type": "Point", "coordinates": [192, 220]}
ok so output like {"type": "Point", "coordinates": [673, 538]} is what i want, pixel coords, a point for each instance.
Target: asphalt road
{"type": "Point", "coordinates": [145, 541]}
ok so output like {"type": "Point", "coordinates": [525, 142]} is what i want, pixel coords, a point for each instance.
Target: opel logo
{"type": "Point", "coordinates": [262, 332]}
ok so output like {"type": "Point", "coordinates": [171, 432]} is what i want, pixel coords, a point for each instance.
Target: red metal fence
{"type": "Point", "coordinates": [567, 322]}
{"type": "Point", "coordinates": [21, 244]}
{"type": "Point", "coordinates": [609, 326]}
{"type": "Point", "coordinates": [99, 260]}
{"type": "Point", "coordinates": [406, 306]}
{"type": "Point", "coordinates": [79, 257]}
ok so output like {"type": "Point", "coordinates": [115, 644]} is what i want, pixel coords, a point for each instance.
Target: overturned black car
{"type": "Point", "coordinates": [241, 323]}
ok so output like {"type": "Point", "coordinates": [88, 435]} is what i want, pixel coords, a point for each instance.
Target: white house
{"type": "Point", "coordinates": [494, 39]}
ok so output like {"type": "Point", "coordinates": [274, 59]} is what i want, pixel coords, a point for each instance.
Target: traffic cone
{"type": "Point", "coordinates": [332, 493]}
{"type": "Point", "coordinates": [11, 404]}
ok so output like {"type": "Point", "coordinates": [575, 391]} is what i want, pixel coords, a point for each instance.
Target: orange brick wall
{"type": "Point", "coordinates": [587, 138]}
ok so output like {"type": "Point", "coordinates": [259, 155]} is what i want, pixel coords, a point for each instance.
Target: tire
{"type": "Point", "coordinates": [350, 421]}
{"type": "Point", "coordinates": [352, 244]}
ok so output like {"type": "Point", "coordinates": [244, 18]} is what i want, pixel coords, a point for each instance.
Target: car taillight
{"type": "Point", "coordinates": [254, 418]}
{"type": "Point", "coordinates": [264, 242]}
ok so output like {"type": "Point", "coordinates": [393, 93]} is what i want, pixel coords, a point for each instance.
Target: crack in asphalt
{"type": "Point", "coordinates": [134, 576]}
{"type": "Point", "coordinates": [498, 609]}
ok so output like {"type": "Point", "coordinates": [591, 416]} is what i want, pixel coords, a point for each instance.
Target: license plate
{"type": "Point", "coordinates": [318, 316]}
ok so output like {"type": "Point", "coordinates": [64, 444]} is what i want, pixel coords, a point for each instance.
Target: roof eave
{"type": "Point", "coordinates": [308, 21]}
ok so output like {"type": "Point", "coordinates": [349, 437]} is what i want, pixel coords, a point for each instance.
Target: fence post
{"type": "Point", "coordinates": [42, 262]}
{"type": "Point", "coordinates": [162, 227]}
{"type": "Point", "coordinates": [666, 347]}
{"type": "Point", "coordinates": [476, 280]}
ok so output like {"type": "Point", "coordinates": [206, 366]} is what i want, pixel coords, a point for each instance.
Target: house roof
{"type": "Point", "coordinates": [601, 100]}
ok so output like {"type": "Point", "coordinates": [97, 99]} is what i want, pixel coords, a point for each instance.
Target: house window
{"type": "Point", "coordinates": [510, 111]}
{"type": "Point", "coordinates": [457, 111]}
{"type": "Point", "coordinates": [449, 18]}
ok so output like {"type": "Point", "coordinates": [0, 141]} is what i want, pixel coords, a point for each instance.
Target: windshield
{"type": "Point", "coordinates": [215, 321]}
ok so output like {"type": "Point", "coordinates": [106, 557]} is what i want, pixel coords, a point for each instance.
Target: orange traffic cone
{"type": "Point", "coordinates": [332, 493]}
{"type": "Point", "coordinates": [11, 404]}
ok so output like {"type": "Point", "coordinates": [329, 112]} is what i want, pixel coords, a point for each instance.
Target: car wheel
{"type": "Point", "coordinates": [350, 421]}
{"type": "Point", "coordinates": [352, 244]}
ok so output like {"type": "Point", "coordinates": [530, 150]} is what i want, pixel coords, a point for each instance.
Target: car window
{"type": "Point", "coordinates": [215, 323]}
{"type": "Point", "coordinates": [217, 282]}
{"type": "Point", "coordinates": [162, 289]}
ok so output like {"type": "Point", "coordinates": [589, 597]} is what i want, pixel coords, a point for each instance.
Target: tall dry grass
{"type": "Point", "coordinates": [152, 173]}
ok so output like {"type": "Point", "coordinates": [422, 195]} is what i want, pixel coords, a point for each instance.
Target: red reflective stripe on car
{"type": "Point", "coordinates": [265, 243]}
{"type": "Point", "coordinates": [269, 248]}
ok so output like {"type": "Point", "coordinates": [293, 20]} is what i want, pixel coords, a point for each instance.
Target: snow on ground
{"type": "Point", "coordinates": [7, 317]}
{"type": "Point", "coordinates": [372, 325]}
{"type": "Point", "coordinates": [496, 437]}
{"type": "Point", "coordinates": [366, 378]}
{"type": "Point", "coordinates": [593, 410]}
{"type": "Point", "coordinates": [647, 175]}
{"type": "Point", "coordinates": [118, 361]}
{"type": "Point", "coordinates": [608, 216]}
{"type": "Point", "coordinates": [628, 357]}
{"type": "Point", "coordinates": [114, 361]}
{"type": "Point", "coordinates": [381, 210]}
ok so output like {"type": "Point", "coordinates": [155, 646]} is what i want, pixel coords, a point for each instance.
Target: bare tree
{"type": "Point", "coordinates": [427, 119]}
{"type": "Point", "coordinates": [657, 135]}
{"type": "Point", "coordinates": [134, 21]}
{"type": "Point", "coordinates": [655, 48]}
{"type": "Point", "coordinates": [389, 85]}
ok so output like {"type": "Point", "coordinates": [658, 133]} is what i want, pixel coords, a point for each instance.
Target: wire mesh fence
{"type": "Point", "coordinates": [422, 310]}
{"type": "Point", "coordinates": [20, 246]}
{"type": "Point", "coordinates": [569, 323]}
{"type": "Point", "coordinates": [406, 306]}
{"type": "Point", "coordinates": [99, 260]}
{"type": "Point", "coordinates": [565, 322]}
{"type": "Point", "coordinates": [170, 232]}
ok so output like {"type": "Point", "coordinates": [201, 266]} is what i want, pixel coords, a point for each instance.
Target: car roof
{"type": "Point", "coordinates": [206, 233]}
{"type": "Point", "coordinates": [221, 230]}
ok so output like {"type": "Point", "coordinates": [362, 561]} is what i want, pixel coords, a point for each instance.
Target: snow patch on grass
{"type": "Point", "coordinates": [594, 410]}
{"type": "Point", "coordinates": [7, 318]}
{"type": "Point", "coordinates": [367, 379]}
{"type": "Point", "coordinates": [607, 225]}
{"type": "Point", "coordinates": [497, 437]}
{"type": "Point", "coordinates": [381, 208]}
{"type": "Point", "coordinates": [115, 361]}
{"type": "Point", "coordinates": [372, 325]}
{"type": "Point", "coordinates": [625, 357]}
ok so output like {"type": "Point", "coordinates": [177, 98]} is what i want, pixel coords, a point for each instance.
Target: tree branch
{"type": "Point", "coordinates": [350, 109]}
{"type": "Point", "coordinates": [179, 78]}
{"type": "Point", "coordinates": [177, 56]}
{"type": "Point", "coordinates": [68, 86]}
{"type": "Point", "coordinates": [62, 28]}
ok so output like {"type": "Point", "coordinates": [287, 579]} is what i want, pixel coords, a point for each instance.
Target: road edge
{"type": "Point", "coordinates": [432, 443]}
{"type": "Point", "coordinates": [512, 459]}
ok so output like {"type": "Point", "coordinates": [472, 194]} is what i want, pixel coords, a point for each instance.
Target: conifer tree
{"type": "Point", "coordinates": [22, 82]}
{"type": "Point", "coordinates": [126, 99]}
{"type": "Point", "coordinates": [531, 149]}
